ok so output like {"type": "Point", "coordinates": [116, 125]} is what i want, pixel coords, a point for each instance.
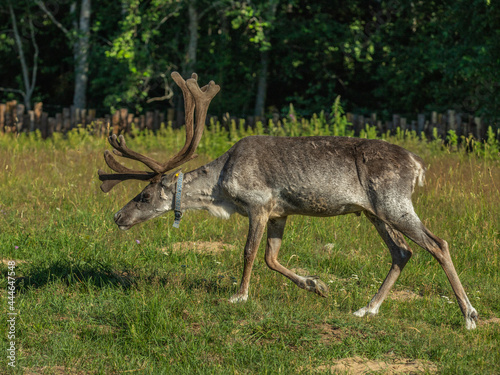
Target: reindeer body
{"type": "Point", "coordinates": [313, 176]}
{"type": "Point", "coordinates": [269, 178]}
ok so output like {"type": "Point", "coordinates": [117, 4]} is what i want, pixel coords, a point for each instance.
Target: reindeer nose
{"type": "Point", "coordinates": [118, 215]}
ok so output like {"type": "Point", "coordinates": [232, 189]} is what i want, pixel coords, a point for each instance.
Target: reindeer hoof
{"type": "Point", "coordinates": [365, 311]}
{"type": "Point", "coordinates": [471, 319]}
{"type": "Point", "coordinates": [314, 284]}
{"type": "Point", "coordinates": [238, 298]}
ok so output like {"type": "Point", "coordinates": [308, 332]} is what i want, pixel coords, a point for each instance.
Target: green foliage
{"type": "Point", "coordinates": [258, 18]}
{"type": "Point", "coordinates": [369, 132]}
{"type": "Point", "coordinates": [340, 124]}
{"type": "Point", "coordinates": [452, 139]}
{"type": "Point", "coordinates": [385, 55]}
{"type": "Point", "coordinates": [490, 149]}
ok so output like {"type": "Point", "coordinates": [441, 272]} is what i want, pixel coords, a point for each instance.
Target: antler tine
{"type": "Point", "coordinates": [194, 98]}
{"type": "Point", "coordinates": [110, 180]}
{"type": "Point", "coordinates": [191, 92]}
{"type": "Point", "coordinates": [189, 106]}
{"type": "Point", "coordinates": [202, 97]}
{"type": "Point", "coordinates": [121, 149]}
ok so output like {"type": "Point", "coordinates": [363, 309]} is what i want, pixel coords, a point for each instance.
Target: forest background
{"type": "Point", "coordinates": [396, 56]}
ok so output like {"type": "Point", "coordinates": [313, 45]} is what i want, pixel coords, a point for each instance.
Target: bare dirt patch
{"type": "Point", "coordinates": [493, 320]}
{"type": "Point", "coordinates": [403, 295]}
{"type": "Point", "coordinates": [329, 333]}
{"type": "Point", "coordinates": [390, 365]}
{"type": "Point", "coordinates": [201, 247]}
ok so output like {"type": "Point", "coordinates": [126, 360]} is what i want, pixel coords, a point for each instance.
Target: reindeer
{"type": "Point", "coordinates": [269, 178]}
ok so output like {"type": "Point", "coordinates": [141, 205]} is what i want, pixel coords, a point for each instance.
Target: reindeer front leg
{"type": "Point", "coordinates": [257, 225]}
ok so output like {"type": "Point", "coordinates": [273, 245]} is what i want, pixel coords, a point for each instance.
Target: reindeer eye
{"type": "Point", "coordinates": [146, 197]}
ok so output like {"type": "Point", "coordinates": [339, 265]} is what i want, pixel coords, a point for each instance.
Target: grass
{"type": "Point", "coordinates": [95, 300]}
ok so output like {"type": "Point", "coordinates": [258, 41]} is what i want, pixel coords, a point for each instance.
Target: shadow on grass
{"type": "Point", "coordinates": [98, 275]}
{"type": "Point", "coordinates": [219, 285]}
{"type": "Point", "coordinates": [92, 274]}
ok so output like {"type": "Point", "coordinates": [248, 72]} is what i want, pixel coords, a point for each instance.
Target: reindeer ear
{"type": "Point", "coordinates": [170, 178]}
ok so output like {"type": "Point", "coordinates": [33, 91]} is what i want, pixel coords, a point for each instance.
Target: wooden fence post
{"type": "Point", "coordinates": [433, 124]}
{"type": "Point", "coordinates": [142, 122]}
{"type": "Point", "coordinates": [402, 123]}
{"type": "Point", "coordinates": [43, 125]}
{"type": "Point", "coordinates": [59, 122]}
{"type": "Point", "coordinates": [170, 115]}
{"type": "Point", "coordinates": [123, 120]}
{"type": "Point", "coordinates": [72, 117]}
{"type": "Point", "coordinates": [479, 130]}
{"type": "Point", "coordinates": [83, 114]}
{"type": "Point", "coordinates": [19, 117]}
{"type": "Point", "coordinates": [31, 120]}
{"type": "Point", "coordinates": [115, 122]}
{"type": "Point", "coordinates": [91, 115]}
{"type": "Point", "coordinates": [130, 121]}
{"type": "Point", "coordinates": [3, 109]}
{"type": "Point", "coordinates": [421, 123]}
{"type": "Point", "coordinates": [452, 125]}
{"type": "Point", "coordinates": [149, 120]}
{"type": "Point", "coordinates": [66, 119]}
{"type": "Point", "coordinates": [395, 121]}
{"type": "Point", "coordinates": [51, 126]}
{"type": "Point", "coordinates": [78, 117]}
{"type": "Point", "coordinates": [413, 126]}
{"type": "Point", "coordinates": [38, 108]}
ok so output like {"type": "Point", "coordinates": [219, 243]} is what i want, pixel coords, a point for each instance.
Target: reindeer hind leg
{"type": "Point", "coordinates": [400, 253]}
{"type": "Point", "coordinates": [414, 229]}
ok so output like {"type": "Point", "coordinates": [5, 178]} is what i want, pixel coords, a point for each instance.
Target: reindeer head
{"type": "Point", "coordinates": [159, 196]}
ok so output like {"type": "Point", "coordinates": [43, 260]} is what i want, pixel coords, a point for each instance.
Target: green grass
{"type": "Point", "coordinates": [93, 300]}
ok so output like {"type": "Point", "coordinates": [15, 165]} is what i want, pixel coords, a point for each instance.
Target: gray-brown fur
{"type": "Point", "coordinates": [269, 178]}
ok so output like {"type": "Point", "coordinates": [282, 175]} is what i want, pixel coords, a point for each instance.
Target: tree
{"type": "Point", "coordinates": [258, 17]}
{"type": "Point", "coordinates": [78, 36]}
{"type": "Point", "coordinates": [29, 80]}
{"type": "Point", "coordinates": [139, 55]}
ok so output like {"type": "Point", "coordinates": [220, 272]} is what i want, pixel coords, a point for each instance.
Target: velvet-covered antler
{"type": "Point", "coordinates": [194, 98]}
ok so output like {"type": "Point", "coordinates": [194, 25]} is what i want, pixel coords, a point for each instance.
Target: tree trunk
{"type": "Point", "coordinates": [28, 87]}
{"type": "Point", "coordinates": [193, 39]}
{"type": "Point", "coordinates": [189, 59]}
{"type": "Point", "coordinates": [81, 52]}
{"type": "Point", "coordinates": [260, 99]}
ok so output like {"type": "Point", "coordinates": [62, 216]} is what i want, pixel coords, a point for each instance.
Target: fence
{"type": "Point", "coordinates": [14, 118]}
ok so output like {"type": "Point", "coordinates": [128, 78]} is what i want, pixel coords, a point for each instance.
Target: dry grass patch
{"type": "Point", "coordinates": [200, 247]}
{"type": "Point", "coordinates": [54, 370]}
{"type": "Point", "coordinates": [300, 271]}
{"type": "Point", "coordinates": [17, 261]}
{"type": "Point", "coordinates": [403, 295]}
{"type": "Point", "coordinates": [389, 365]}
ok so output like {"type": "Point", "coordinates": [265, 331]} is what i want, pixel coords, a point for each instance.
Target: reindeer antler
{"type": "Point", "coordinates": [194, 98]}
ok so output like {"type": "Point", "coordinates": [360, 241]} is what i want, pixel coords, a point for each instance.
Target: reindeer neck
{"type": "Point", "coordinates": [202, 191]}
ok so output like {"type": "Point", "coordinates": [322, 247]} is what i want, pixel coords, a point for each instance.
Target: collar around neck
{"type": "Point", "coordinates": [178, 196]}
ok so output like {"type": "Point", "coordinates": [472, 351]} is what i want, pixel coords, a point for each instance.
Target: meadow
{"type": "Point", "coordinates": [92, 299]}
